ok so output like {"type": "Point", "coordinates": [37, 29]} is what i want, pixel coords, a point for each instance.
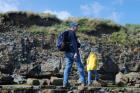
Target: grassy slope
{"type": "Point", "coordinates": [90, 29]}
{"type": "Point", "coordinates": [126, 35]}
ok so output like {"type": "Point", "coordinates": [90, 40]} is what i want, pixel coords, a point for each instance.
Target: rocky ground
{"type": "Point", "coordinates": [39, 68]}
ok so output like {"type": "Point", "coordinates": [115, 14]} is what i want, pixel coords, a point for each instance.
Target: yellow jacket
{"type": "Point", "coordinates": [92, 61]}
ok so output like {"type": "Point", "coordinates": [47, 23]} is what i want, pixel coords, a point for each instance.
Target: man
{"type": "Point", "coordinates": [72, 54]}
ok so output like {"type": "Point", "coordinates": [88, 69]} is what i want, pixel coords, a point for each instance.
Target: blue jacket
{"type": "Point", "coordinates": [74, 44]}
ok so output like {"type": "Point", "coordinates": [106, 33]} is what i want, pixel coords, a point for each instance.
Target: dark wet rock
{"type": "Point", "coordinates": [26, 91]}
{"type": "Point", "coordinates": [44, 82]}
{"type": "Point", "coordinates": [5, 69]}
{"type": "Point", "coordinates": [35, 70]}
{"type": "Point", "coordinates": [48, 87]}
{"type": "Point", "coordinates": [6, 79]}
{"type": "Point", "coordinates": [108, 76]}
{"type": "Point", "coordinates": [2, 47]}
{"type": "Point", "coordinates": [56, 81]}
{"type": "Point", "coordinates": [45, 75]}
{"type": "Point", "coordinates": [109, 66]}
{"type": "Point", "coordinates": [36, 82]}
{"type": "Point", "coordinates": [32, 81]}
{"type": "Point", "coordinates": [6, 64]}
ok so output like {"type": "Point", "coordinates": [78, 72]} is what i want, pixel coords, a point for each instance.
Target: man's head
{"type": "Point", "coordinates": [74, 26]}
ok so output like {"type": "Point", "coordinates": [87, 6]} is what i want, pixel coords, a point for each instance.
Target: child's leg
{"type": "Point", "coordinates": [89, 77]}
{"type": "Point", "coordinates": [96, 75]}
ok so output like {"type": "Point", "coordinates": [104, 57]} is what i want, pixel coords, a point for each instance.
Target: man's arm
{"type": "Point", "coordinates": [74, 42]}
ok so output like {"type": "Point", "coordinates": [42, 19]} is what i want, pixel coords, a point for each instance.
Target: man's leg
{"type": "Point", "coordinates": [67, 70]}
{"type": "Point", "coordinates": [80, 67]}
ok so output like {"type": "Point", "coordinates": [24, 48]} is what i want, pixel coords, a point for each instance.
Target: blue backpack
{"type": "Point", "coordinates": [62, 40]}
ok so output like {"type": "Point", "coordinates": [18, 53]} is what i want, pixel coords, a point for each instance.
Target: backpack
{"type": "Point", "coordinates": [62, 41]}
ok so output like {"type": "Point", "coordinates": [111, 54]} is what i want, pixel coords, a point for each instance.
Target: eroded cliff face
{"type": "Point", "coordinates": [28, 19]}
{"type": "Point", "coordinates": [24, 55]}
{"type": "Point", "coordinates": [36, 56]}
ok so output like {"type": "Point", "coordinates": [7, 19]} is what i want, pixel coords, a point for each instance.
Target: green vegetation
{"type": "Point", "coordinates": [119, 37]}
{"type": "Point", "coordinates": [48, 30]}
{"type": "Point", "coordinates": [127, 35]}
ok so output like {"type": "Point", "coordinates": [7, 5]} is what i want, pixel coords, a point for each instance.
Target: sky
{"type": "Point", "coordinates": [120, 11]}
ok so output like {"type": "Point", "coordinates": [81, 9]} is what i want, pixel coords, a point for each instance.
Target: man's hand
{"type": "Point", "coordinates": [75, 55]}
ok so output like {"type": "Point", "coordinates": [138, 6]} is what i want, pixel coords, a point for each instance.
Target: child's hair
{"type": "Point", "coordinates": [93, 49]}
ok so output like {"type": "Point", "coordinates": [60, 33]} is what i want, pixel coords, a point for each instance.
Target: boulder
{"type": "Point", "coordinates": [121, 79]}
{"type": "Point", "coordinates": [32, 81]}
{"type": "Point", "coordinates": [56, 81]}
{"type": "Point", "coordinates": [109, 66]}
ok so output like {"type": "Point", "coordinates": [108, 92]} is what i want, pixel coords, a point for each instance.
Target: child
{"type": "Point", "coordinates": [92, 64]}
